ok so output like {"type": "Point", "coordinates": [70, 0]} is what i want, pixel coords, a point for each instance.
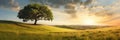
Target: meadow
{"type": "Point", "coordinates": [11, 30]}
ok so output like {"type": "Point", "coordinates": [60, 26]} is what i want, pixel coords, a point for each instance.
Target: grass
{"type": "Point", "coordinates": [10, 30]}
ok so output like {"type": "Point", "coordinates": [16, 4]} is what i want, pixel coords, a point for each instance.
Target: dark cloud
{"type": "Point", "coordinates": [62, 2]}
{"type": "Point", "coordinates": [9, 4]}
{"type": "Point", "coordinates": [104, 13]}
{"type": "Point", "coordinates": [68, 5]}
{"type": "Point", "coordinates": [71, 9]}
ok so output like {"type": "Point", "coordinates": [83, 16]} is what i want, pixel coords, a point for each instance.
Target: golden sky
{"type": "Point", "coordinates": [69, 12]}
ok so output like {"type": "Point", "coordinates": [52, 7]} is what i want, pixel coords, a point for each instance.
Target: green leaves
{"type": "Point", "coordinates": [35, 11]}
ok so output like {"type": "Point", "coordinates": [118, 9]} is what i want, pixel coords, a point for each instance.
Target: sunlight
{"type": "Point", "coordinates": [89, 21]}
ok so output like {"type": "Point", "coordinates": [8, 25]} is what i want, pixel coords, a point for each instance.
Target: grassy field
{"type": "Point", "coordinates": [10, 30]}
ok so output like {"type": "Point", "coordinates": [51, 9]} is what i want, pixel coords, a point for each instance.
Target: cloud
{"type": "Point", "coordinates": [75, 8]}
{"type": "Point", "coordinates": [62, 2]}
{"type": "Point", "coordinates": [11, 4]}
{"type": "Point", "coordinates": [72, 11]}
{"type": "Point", "coordinates": [69, 6]}
{"type": "Point", "coordinates": [110, 11]}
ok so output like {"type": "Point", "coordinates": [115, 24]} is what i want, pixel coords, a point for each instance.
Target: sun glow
{"type": "Point", "coordinates": [89, 20]}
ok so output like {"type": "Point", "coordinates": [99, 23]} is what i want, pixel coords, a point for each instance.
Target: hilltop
{"type": "Point", "coordinates": [11, 30]}
{"type": "Point", "coordinates": [24, 27]}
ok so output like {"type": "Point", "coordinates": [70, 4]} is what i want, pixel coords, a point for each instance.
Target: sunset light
{"type": "Point", "coordinates": [59, 19]}
{"type": "Point", "coordinates": [89, 21]}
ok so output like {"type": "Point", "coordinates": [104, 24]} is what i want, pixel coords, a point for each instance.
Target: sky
{"type": "Point", "coordinates": [68, 12]}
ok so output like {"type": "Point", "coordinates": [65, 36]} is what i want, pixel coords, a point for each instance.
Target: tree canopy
{"type": "Point", "coordinates": [35, 12]}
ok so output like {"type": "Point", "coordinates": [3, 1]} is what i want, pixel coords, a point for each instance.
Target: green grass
{"type": "Point", "coordinates": [10, 30]}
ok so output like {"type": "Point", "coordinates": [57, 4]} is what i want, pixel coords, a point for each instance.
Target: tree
{"type": "Point", "coordinates": [35, 12]}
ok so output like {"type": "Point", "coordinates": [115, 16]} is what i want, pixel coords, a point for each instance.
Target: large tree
{"type": "Point", "coordinates": [35, 12]}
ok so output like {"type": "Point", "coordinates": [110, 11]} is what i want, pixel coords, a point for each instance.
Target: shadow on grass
{"type": "Point", "coordinates": [13, 22]}
{"type": "Point", "coordinates": [19, 24]}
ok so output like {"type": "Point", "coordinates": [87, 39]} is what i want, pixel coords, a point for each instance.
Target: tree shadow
{"type": "Point", "coordinates": [24, 25]}
{"type": "Point", "coordinates": [13, 22]}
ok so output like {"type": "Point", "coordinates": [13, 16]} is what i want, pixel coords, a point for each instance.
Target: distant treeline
{"type": "Point", "coordinates": [82, 27]}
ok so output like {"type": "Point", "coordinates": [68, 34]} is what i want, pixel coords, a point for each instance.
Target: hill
{"type": "Point", "coordinates": [22, 27]}
{"type": "Point", "coordinates": [82, 27]}
{"type": "Point", "coordinates": [10, 30]}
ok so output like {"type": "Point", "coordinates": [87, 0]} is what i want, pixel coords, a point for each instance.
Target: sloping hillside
{"type": "Point", "coordinates": [10, 30]}
{"type": "Point", "coordinates": [22, 27]}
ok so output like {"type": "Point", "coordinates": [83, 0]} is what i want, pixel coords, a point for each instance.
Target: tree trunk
{"type": "Point", "coordinates": [35, 22]}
